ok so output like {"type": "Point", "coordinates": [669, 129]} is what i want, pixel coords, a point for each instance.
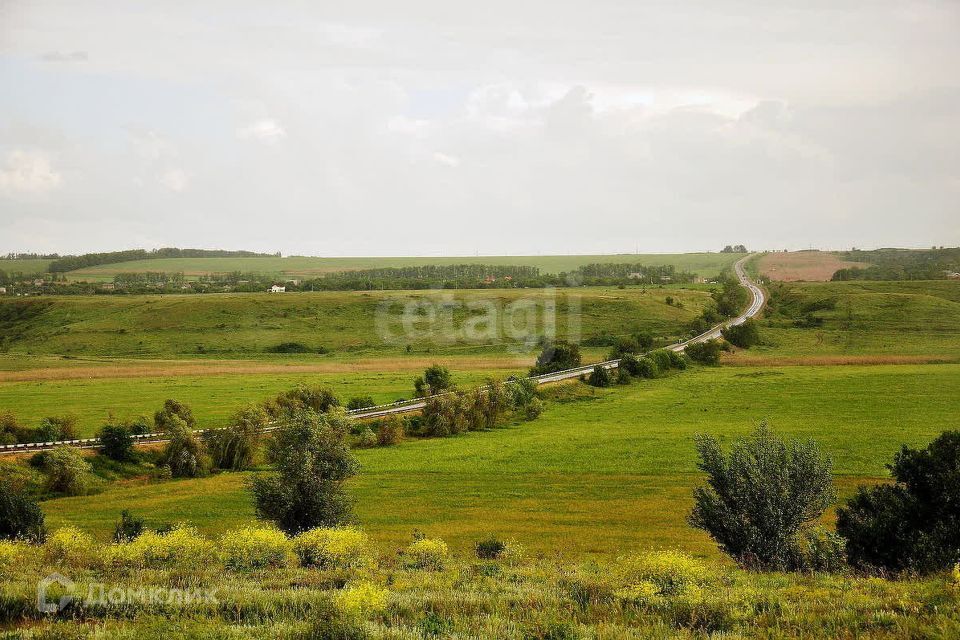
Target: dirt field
{"type": "Point", "coordinates": [810, 266]}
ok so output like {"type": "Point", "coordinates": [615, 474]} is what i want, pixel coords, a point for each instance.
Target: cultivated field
{"type": "Point", "coordinates": [26, 267]}
{"type": "Point", "coordinates": [706, 264]}
{"type": "Point", "coordinates": [811, 266]}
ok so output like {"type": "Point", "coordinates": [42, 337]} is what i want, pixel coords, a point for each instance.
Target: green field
{"type": "Point", "coordinates": [706, 264]}
{"type": "Point", "coordinates": [213, 398]}
{"type": "Point", "coordinates": [602, 473]}
{"type": "Point", "coordinates": [246, 325]}
{"type": "Point", "coordinates": [26, 267]}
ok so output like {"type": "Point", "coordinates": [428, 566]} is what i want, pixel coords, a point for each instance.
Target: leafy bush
{"type": "Point", "coordinates": [522, 392]}
{"type": "Point", "coordinates": [362, 600]}
{"type": "Point", "coordinates": [429, 554]}
{"type": "Point", "coordinates": [311, 459]}
{"type": "Point", "coordinates": [678, 360]}
{"type": "Point", "coordinates": [290, 347]}
{"type": "Point", "coordinates": [662, 358]}
{"type": "Point", "coordinates": [70, 547]}
{"type": "Point", "coordinates": [533, 410]}
{"type": "Point", "coordinates": [647, 368]}
{"type": "Point", "coordinates": [184, 453]}
{"type": "Point", "coordinates": [490, 548]}
{"type": "Point", "coordinates": [366, 439]}
{"type": "Point", "coordinates": [821, 551]}
{"type": "Point", "coordinates": [436, 379]}
{"type": "Point", "coordinates": [661, 573]}
{"type": "Point", "coordinates": [761, 498]}
{"type": "Point", "coordinates": [390, 431]}
{"type": "Point", "coordinates": [299, 399]}
{"type": "Point", "coordinates": [599, 377]}
{"type": "Point", "coordinates": [705, 352]}
{"type": "Point", "coordinates": [20, 515]}
{"type": "Point", "coordinates": [67, 471]}
{"type": "Point", "coordinates": [623, 376]}
{"type": "Point", "coordinates": [913, 524]}
{"type": "Point", "coordinates": [11, 431]}
{"type": "Point", "coordinates": [236, 447]}
{"type": "Point", "coordinates": [744, 335]}
{"type": "Point", "coordinates": [630, 363]}
{"type": "Point", "coordinates": [163, 419]}
{"type": "Point", "coordinates": [557, 356]}
{"type": "Point", "coordinates": [116, 442]}
{"type": "Point", "coordinates": [57, 428]}
{"type": "Point", "coordinates": [253, 548]}
{"type": "Point", "coordinates": [360, 402]}
{"type": "Point", "coordinates": [337, 548]}
{"type": "Point", "coordinates": [445, 415]}
{"type": "Point", "coordinates": [180, 548]}
{"type": "Point", "coordinates": [129, 528]}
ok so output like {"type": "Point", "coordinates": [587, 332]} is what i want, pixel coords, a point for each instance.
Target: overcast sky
{"type": "Point", "coordinates": [495, 127]}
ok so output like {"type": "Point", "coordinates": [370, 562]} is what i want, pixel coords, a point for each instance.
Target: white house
{"type": "Point", "coordinates": [277, 289]}
{"type": "Point", "coordinates": [3, 290]}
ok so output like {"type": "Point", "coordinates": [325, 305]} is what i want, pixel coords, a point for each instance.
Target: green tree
{"type": "Point", "coordinates": [302, 398]}
{"type": "Point", "coordinates": [235, 447]}
{"type": "Point", "coordinates": [914, 524]}
{"type": "Point", "coordinates": [116, 442]}
{"type": "Point", "coordinates": [67, 471]}
{"type": "Point", "coordinates": [599, 377]}
{"type": "Point", "coordinates": [707, 352]}
{"type": "Point", "coordinates": [744, 335]}
{"type": "Point", "coordinates": [163, 418]}
{"type": "Point", "coordinates": [311, 460]}
{"type": "Point", "coordinates": [184, 453]}
{"type": "Point", "coordinates": [20, 514]}
{"type": "Point", "coordinates": [436, 379]}
{"type": "Point", "coordinates": [761, 498]}
{"type": "Point", "coordinates": [557, 356]}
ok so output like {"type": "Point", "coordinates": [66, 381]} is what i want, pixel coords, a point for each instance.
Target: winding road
{"type": "Point", "coordinates": [407, 406]}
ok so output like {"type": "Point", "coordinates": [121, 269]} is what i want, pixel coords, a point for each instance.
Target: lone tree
{"type": "Point", "coordinates": [235, 447]}
{"type": "Point", "coordinates": [743, 335]}
{"type": "Point", "coordinates": [913, 525]}
{"type": "Point", "coordinates": [557, 356]}
{"type": "Point", "coordinates": [762, 497]}
{"type": "Point", "coordinates": [20, 514]}
{"type": "Point", "coordinates": [311, 460]}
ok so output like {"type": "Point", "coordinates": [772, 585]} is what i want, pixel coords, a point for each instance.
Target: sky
{"type": "Point", "coordinates": [492, 128]}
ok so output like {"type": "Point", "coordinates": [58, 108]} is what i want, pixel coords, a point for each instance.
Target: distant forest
{"type": "Point", "coordinates": [70, 263]}
{"type": "Point", "coordinates": [900, 264]}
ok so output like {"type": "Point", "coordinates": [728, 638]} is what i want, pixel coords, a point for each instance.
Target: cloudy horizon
{"type": "Point", "coordinates": [494, 129]}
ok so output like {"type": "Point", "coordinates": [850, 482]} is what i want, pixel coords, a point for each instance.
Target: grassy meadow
{"type": "Point", "coordinates": [28, 266]}
{"type": "Point", "coordinates": [601, 472]}
{"type": "Point", "coordinates": [705, 264]}
{"type": "Point", "coordinates": [346, 323]}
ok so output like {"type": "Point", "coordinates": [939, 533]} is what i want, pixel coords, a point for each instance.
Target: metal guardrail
{"type": "Point", "coordinates": [414, 404]}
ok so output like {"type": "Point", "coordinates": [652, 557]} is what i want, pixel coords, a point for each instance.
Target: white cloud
{"type": "Point", "coordinates": [267, 131]}
{"type": "Point", "coordinates": [446, 159]}
{"type": "Point", "coordinates": [28, 173]}
{"type": "Point", "coordinates": [175, 180]}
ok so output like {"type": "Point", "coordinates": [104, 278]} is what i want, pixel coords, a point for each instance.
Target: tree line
{"type": "Point", "coordinates": [71, 263]}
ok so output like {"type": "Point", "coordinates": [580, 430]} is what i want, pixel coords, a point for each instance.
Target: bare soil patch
{"type": "Point", "coordinates": [809, 266]}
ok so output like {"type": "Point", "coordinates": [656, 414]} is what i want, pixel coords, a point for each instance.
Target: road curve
{"type": "Point", "coordinates": [407, 406]}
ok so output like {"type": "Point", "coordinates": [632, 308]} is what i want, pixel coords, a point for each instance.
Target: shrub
{"type": "Point", "coordinates": [434, 380]}
{"type": "Point", "coordinates": [533, 410]}
{"type": "Point", "coordinates": [705, 352]}
{"type": "Point", "coordinates": [557, 356]}
{"type": "Point", "coordinates": [429, 554]}
{"type": "Point", "coordinates": [744, 335]}
{"type": "Point", "coordinates": [180, 548]}
{"type": "Point", "coordinates": [184, 452]}
{"type": "Point", "coordinates": [912, 524]}
{"type": "Point", "coordinates": [67, 471]}
{"type": "Point", "coordinates": [299, 399]}
{"type": "Point", "coordinates": [760, 498]}
{"type": "Point", "coordinates": [163, 419]}
{"type": "Point", "coordinates": [366, 438]}
{"type": "Point", "coordinates": [338, 548]}
{"type": "Point", "coordinates": [116, 442]}
{"type": "Point", "coordinates": [647, 368]}
{"type": "Point", "coordinates": [630, 363]}
{"type": "Point", "coordinates": [290, 347]}
{"type": "Point", "coordinates": [821, 551]}
{"type": "Point", "coordinates": [362, 600]}
{"type": "Point", "coordinates": [662, 358]}
{"type": "Point", "coordinates": [57, 428]}
{"type": "Point", "coordinates": [360, 402]}
{"type": "Point", "coordinates": [11, 431]}
{"type": "Point", "coordinates": [678, 360]}
{"type": "Point", "coordinates": [599, 377]}
{"type": "Point", "coordinates": [129, 528]}
{"type": "Point", "coordinates": [14, 554]}
{"type": "Point", "coordinates": [390, 431]}
{"type": "Point", "coordinates": [661, 573]}
{"type": "Point", "coordinates": [490, 549]}
{"type": "Point", "coordinates": [236, 447]}
{"type": "Point", "coordinates": [444, 415]}
{"type": "Point", "coordinates": [254, 548]}
{"type": "Point", "coordinates": [311, 459]}
{"type": "Point", "coordinates": [623, 376]}
{"type": "Point", "coordinates": [20, 515]}
{"type": "Point", "coordinates": [72, 547]}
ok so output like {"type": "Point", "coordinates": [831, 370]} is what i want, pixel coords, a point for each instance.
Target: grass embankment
{"type": "Point", "coordinates": [603, 472]}
{"type": "Point", "coordinates": [28, 266]}
{"type": "Point", "coordinates": [897, 320]}
{"type": "Point", "coordinates": [706, 264]}
{"type": "Point", "coordinates": [346, 324]}
{"type": "Point", "coordinates": [136, 590]}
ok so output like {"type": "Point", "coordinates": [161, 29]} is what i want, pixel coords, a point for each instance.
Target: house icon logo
{"type": "Point", "coordinates": [66, 586]}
